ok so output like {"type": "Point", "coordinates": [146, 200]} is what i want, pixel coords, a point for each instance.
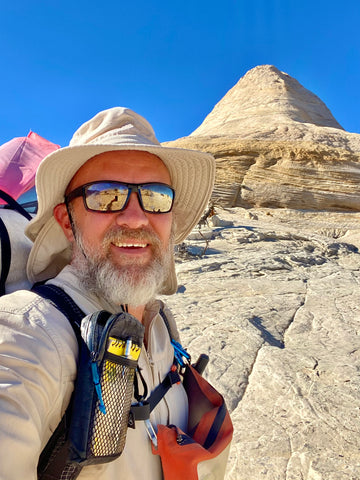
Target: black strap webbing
{"type": "Point", "coordinates": [142, 410]}
{"type": "Point", "coordinates": [14, 205]}
{"type": "Point", "coordinates": [215, 427]}
{"type": "Point", "coordinates": [167, 324]}
{"type": "Point", "coordinates": [5, 239]}
{"type": "Point", "coordinates": [53, 459]}
{"type": "Point", "coordinates": [5, 256]}
{"type": "Point", "coordinates": [63, 302]}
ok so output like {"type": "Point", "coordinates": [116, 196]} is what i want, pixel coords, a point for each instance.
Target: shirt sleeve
{"type": "Point", "coordinates": [35, 386]}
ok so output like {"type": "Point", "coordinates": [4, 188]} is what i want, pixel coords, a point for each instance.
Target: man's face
{"type": "Point", "coordinates": [130, 250]}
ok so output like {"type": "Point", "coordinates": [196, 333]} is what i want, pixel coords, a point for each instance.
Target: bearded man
{"type": "Point", "coordinates": [111, 206]}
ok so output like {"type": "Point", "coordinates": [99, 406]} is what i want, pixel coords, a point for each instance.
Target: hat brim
{"type": "Point", "coordinates": [192, 175]}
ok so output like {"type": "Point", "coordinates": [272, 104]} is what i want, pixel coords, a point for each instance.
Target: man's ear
{"type": "Point", "coordinates": [62, 217]}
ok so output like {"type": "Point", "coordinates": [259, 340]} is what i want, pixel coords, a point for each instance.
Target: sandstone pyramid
{"type": "Point", "coordinates": [278, 145]}
{"type": "Point", "coordinates": [267, 103]}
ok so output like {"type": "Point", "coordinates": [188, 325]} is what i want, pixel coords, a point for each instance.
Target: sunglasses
{"type": "Point", "coordinates": [107, 196]}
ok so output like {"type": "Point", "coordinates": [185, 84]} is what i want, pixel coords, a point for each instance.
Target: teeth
{"type": "Point", "coordinates": [127, 245]}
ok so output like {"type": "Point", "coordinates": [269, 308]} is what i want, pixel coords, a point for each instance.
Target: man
{"type": "Point", "coordinates": [111, 207]}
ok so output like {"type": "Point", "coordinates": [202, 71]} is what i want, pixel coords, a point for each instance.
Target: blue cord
{"type": "Point", "coordinates": [96, 380]}
{"type": "Point", "coordinates": [180, 353]}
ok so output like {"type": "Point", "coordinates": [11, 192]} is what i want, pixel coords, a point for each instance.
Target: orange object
{"type": "Point", "coordinates": [209, 434]}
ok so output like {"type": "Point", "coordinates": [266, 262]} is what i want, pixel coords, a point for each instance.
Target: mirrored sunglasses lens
{"type": "Point", "coordinates": [106, 197]}
{"type": "Point", "coordinates": [157, 198]}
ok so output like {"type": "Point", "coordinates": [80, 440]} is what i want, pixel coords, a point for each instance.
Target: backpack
{"type": "Point", "coordinates": [15, 246]}
{"type": "Point", "coordinates": [183, 455]}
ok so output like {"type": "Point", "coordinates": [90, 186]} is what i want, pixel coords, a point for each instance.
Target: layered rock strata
{"type": "Point", "coordinates": [276, 144]}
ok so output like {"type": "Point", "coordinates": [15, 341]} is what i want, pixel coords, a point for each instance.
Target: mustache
{"type": "Point", "coordinates": [122, 234]}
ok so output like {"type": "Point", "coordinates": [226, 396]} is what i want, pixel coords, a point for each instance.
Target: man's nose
{"type": "Point", "coordinates": [133, 216]}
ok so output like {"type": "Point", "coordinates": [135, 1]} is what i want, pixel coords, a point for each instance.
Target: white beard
{"type": "Point", "coordinates": [133, 284]}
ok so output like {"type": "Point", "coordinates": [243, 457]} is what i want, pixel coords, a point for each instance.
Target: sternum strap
{"type": "Point", "coordinates": [142, 410]}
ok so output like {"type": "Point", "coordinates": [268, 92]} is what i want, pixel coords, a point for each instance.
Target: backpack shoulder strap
{"type": "Point", "coordinates": [63, 302]}
{"type": "Point", "coordinates": [14, 205]}
{"type": "Point", "coordinates": [5, 239]}
{"type": "Point", "coordinates": [179, 351]}
{"type": "Point", "coordinates": [5, 256]}
{"type": "Point", "coordinates": [167, 323]}
{"type": "Point", "coordinates": [142, 410]}
{"type": "Point", "coordinates": [53, 459]}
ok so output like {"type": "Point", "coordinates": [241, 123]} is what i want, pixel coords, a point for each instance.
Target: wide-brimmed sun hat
{"type": "Point", "coordinates": [192, 176]}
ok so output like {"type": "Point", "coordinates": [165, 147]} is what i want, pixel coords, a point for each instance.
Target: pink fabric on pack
{"type": "Point", "coordinates": [19, 159]}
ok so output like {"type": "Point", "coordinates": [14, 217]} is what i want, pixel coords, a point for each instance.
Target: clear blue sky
{"type": "Point", "coordinates": [63, 61]}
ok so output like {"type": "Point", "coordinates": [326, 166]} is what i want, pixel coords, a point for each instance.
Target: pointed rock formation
{"type": "Point", "coordinates": [278, 145]}
{"type": "Point", "coordinates": [262, 103]}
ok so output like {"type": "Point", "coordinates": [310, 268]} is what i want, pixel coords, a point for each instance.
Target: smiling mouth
{"type": "Point", "coordinates": [131, 245]}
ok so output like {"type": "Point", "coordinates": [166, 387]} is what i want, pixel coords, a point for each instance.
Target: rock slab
{"type": "Point", "coordinates": [273, 297]}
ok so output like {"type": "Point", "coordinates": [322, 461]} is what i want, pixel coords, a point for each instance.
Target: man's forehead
{"type": "Point", "coordinates": [115, 164]}
{"type": "Point", "coordinates": [124, 155]}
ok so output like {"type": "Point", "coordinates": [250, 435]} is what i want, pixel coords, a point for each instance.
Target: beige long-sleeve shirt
{"type": "Point", "coordinates": [38, 354]}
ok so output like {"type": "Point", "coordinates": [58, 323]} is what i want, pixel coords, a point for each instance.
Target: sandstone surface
{"type": "Point", "coordinates": [272, 294]}
{"type": "Point", "coordinates": [273, 297]}
{"type": "Point", "coordinates": [277, 145]}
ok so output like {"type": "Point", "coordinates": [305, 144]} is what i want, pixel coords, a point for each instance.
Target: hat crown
{"type": "Point", "coordinates": [115, 126]}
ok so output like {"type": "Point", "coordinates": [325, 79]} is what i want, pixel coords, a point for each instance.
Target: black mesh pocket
{"type": "Point", "coordinates": [104, 387]}
{"type": "Point", "coordinates": [109, 430]}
